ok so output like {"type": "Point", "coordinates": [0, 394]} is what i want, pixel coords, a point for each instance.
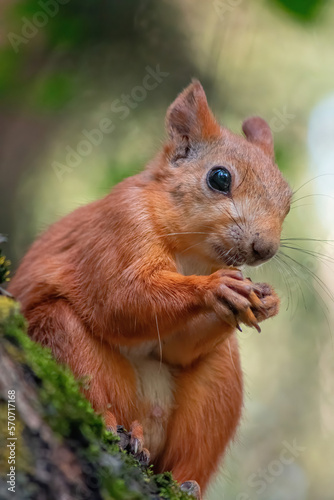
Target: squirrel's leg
{"type": "Point", "coordinates": [166, 301]}
{"type": "Point", "coordinates": [208, 403]}
{"type": "Point", "coordinates": [110, 378]}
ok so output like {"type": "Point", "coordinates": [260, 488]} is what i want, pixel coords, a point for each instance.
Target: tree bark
{"type": "Point", "coordinates": [53, 446]}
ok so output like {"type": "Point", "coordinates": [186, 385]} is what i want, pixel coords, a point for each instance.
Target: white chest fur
{"type": "Point", "coordinates": [155, 379]}
{"type": "Point", "coordinates": [188, 265]}
{"type": "Point", "coordinates": [155, 390]}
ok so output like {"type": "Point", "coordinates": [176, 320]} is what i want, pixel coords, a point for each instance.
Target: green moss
{"type": "Point", "coordinates": [118, 475]}
{"type": "Point", "coordinates": [168, 488]}
{"type": "Point", "coordinates": [4, 264]}
{"type": "Point", "coordinates": [59, 392]}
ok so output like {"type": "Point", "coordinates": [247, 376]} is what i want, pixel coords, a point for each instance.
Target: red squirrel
{"type": "Point", "coordinates": [141, 291]}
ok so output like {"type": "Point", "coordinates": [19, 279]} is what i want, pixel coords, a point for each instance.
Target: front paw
{"type": "Point", "coordinates": [270, 302]}
{"type": "Point", "coordinates": [235, 299]}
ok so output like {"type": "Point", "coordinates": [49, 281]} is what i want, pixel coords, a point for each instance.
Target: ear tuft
{"type": "Point", "coordinates": [189, 116]}
{"type": "Point", "coordinates": [258, 132]}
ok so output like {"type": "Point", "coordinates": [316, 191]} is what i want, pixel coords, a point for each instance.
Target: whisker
{"type": "Point", "coordinates": [311, 196]}
{"type": "Point", "coordinates": [186, 232]}
{"type": "Point", "coordinates": [318, 280]}
{"type": "Point", "coordinates": [288, 268]}
{"type": "Point", "coordinates": [238, 215]}
{"type": "Point", "coordinates": [293, 272]}
{"type": "Point", "coordinates": [308, 239]}
{"type": "Point", "coordinates": [307, 182]}
{"type": "Point", "coordinates": [191, 246]}
{"type": "Point", "coordinates": [228, 214]}
{"type": "Point", "coordinates": [323, 257]}
{"type": "Point", "coordinates": [244, 177]}
{"type": "Point", "coordinates": [280, 266]}
{"type": "Point", "coordinates": [300, 206]}
{"type": "Point", "coordinates": [319, 298]}
{"type": "Point", "coordinates": [159, 339]}
{"type": "Point", "coordinates": [235, 370]}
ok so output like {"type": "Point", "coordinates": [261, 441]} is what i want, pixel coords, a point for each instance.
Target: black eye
{"type": "Point", "coordinates": [220, 179]}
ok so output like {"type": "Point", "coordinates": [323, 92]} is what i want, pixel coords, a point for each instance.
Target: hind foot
{"type": "Point", "coordinates": [192, 488]}
{"type": "Point", "coordinates": [132, 441]}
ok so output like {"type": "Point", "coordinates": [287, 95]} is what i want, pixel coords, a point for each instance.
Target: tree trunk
{"type": "Point", "coordinates": [53, 445]}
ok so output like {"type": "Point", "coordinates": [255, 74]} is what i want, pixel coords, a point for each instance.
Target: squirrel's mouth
{"type": "Point", "coordinates": [230, 257]}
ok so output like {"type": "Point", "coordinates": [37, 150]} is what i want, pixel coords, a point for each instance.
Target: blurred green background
{"type": "Point", "coordinates": [66, 65]}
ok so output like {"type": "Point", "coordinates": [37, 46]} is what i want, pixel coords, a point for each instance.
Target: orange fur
{"type": "Point", "coordinates": [134, 292]}
{"type": "Point", "coordinates": [211, 390]}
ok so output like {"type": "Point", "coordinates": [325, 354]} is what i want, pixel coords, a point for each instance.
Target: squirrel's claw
{"type": "Point", "coordinates": [133, 441]}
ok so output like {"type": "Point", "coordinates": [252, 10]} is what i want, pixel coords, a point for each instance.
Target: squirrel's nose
{"type": "Point", "coordinates": [262, 248]}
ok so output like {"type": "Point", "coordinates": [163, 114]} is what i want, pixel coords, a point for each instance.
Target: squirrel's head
{"type": "Point", "coordinates": [228, 198]}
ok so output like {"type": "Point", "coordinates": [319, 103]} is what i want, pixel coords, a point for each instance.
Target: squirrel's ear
{"type": "Point", "coordinates": [189, 117]}
{"type": "Point", "coordinates": [258, 132]}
